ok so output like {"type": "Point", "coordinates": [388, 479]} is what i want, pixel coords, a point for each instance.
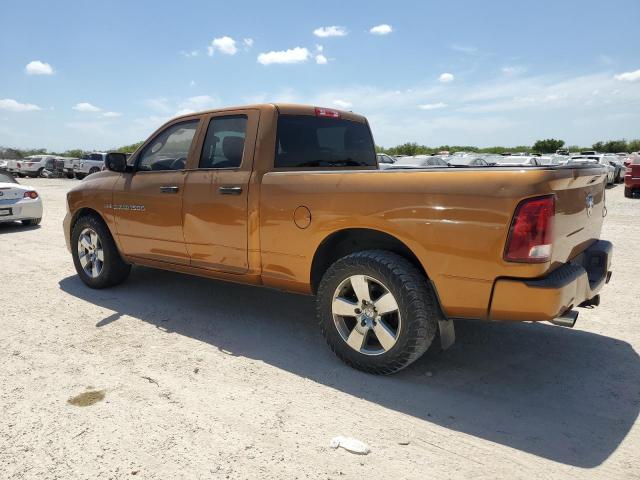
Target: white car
{"type": "Point", "coordinates": [12, 166]}
{"type": "Point", "coordinates": [18, 202]}
{"type": "Point", "coordinates": [602, 160]}
{"type": "Point", "coordinates": [34, 165]}
{"type": "Point", "coordinates": [4, 164]}
{"type": "Point", "coordinates": [89, 163]}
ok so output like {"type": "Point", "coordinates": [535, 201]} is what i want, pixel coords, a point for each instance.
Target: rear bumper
{"type": "Point", "coordinates": [565, 288]}
{"type": "Point", "coordinates": [21, 210]}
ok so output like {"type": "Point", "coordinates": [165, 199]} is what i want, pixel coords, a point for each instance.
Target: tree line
{"type": "Point", "coordinates": [549, 145]}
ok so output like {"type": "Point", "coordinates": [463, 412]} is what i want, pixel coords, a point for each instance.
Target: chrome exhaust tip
{"type": "Point", "coordinates": [567, 319]}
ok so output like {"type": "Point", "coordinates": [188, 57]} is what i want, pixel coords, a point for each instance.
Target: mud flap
{"type": "Point", "coordinates": [447, 333]}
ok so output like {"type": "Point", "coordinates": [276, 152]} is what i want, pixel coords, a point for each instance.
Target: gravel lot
{"type": "Point", "coordinates": [203, 379]}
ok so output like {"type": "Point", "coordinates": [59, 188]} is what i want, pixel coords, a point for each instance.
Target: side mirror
{"type": "Point", "coordinates": [116, 162]}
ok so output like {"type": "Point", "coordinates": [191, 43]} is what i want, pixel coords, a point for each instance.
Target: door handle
{"type": "Point", "coordinates": [230, 190]}
{"type": "Point", "coordinates": [169, 189]}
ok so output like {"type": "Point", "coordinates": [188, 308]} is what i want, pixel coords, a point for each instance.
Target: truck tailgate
{"type": "Point", "coordinates": [580, 211]}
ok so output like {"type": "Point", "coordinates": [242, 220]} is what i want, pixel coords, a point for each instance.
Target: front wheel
{"type": "Point", "coordinates": [377, 311]}
{"type": "Point", "coordinates": [95, 255]}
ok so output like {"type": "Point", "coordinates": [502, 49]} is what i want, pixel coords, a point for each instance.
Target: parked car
{"type": "Point", "coordinates": [632, 177]}
{"type": "Point", "coordinates": [18, 202]}
{"type": "Point", "coordinates": [383, 158]}
{"type": "Point", "coordinates": [600, 159]}
{"type": "Point", "coordinates": [467, 161]}
{"type": "Point", "coordinates": [420, 161]}
{"type": "Point", "coordinates": [12, 167]}
{"type": "Point", "coordinates": [616, 161]}
{"type": "Point", "coordinates": [563, 152]}
{"type": "Point", "coordinates": [515, 160]}
{"type": "Point", "coordinates": [88, 164]}
{"type": "Point", "coordinates": [69, 163]}
{"type": "Point", "coordinates": [291, 197]}
{"type": "Point", "coordinates": [34, 165]}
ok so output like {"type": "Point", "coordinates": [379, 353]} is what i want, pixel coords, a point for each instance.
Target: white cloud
{"type": "Point", "coordinates": [111, 114]}
{"type": "Point", "coordinates": [319, 48]}
{"type": "Point", "coordinates": [15, 106]}
{"type": "Point", "coordinates": [192, 53]}
{"type": "Point", "coordinates": [446, 77]}
{"type": "Point", "coordinates": [382, 29]}
{"type": "Point", "coordinates": [192, 83]}
{"type": "Point", "coordinates": [85, 107]}
{"type": "Point", "coordinates": [248, 43]}
{"type": "Point", "coordinates": [321, 59]}
{"type": "Point", "coordinates": [37, 67]}
{"type": "Point", "coordinates": [330, 31]}
{"type": "Point", "coordinates": [432, 106]}
{"type": "Point", "coordinates": [511, 70]}
{"type": "Point", "coordinates": [629, 76]}
{"type": "Point", "coordinates": [292, 55]}
{"type": "Point", "coordinates": [197, 103]}
{"type": "Point", "coordinates": [225, 45]}
{"type": "Point", "coordinates": [342, 103]}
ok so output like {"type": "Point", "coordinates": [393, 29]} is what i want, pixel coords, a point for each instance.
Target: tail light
{"type": "Point", "coordinates": [30, 194]}
{"type": "Point", "coordinates": [327, 112]}
{"type": "Point", "coordinates": [531, 235]}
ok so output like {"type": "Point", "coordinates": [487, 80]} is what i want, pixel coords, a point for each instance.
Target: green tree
{"type": "Point", "coordinates": [550, 145]}
{"type": "Point", "coordinates": [615, 146]}
{"type": "Point", "coordinates": [634, 145]}
{"type": "Point", "coordinates": [129, 148]}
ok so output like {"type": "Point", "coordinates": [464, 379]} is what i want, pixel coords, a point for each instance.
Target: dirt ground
{"type": "Point", "coordinates": [169, 376]}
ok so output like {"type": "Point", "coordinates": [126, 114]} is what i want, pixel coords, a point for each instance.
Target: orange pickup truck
{"type": "Point", "coordinates": [291, 197]}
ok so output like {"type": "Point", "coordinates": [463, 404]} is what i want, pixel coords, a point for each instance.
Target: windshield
{"type": "Point", "coordinates": [92, 156]}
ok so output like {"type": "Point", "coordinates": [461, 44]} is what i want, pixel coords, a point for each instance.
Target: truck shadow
{"type": "Point", "coordinates": [565, 395]}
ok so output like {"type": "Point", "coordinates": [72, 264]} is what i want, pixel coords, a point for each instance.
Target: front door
{"type": "Point", "coordinates": [216, 192]}
{"type": "Point", "coordinates": [147, 203]}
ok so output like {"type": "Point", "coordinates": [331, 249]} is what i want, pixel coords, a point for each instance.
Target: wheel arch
{"type": "Point", "coordinates": [344, 242]}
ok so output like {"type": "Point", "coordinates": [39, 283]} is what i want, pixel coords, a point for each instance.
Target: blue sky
{"type": "Point", "coordinates": [103, 74]}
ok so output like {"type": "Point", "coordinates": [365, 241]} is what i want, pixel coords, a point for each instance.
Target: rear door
{"type": "Point", "coordinates": [147, 203]}
{"type": "Point", "coordinates": [216, 192]}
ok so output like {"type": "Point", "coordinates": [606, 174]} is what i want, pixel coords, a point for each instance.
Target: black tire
{"type": "Point", "coordinates": [79, 176]}
{"type": "Point", "coordinates": [414, 296]}
{"type": "Point", "coordinates": [32, 222]}
{"type": "Point", "coordinates": [39, 173]}
{"type": "Point", "coordinates": [628, 192]}
{"type": "Point", "coordinates": [114, 269]}
{"type": "Point", "coordinates": [94, 170]}
{"type": "Point", "coordinates": [70, 176]}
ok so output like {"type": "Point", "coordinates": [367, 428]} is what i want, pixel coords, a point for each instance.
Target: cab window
{"type": "Point", "coordinates": [314, 142]}
{"type": "Point", "coordinates": [224, 144]}
{"type": "Point", "coordinates": [170, 149]}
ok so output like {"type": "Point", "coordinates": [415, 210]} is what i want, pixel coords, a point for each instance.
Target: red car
{"type": "Point", "coordinates": [632, 176]}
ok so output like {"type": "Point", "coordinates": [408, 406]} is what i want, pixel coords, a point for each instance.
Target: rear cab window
{"type": "Point", "coordinates": [307, 142]}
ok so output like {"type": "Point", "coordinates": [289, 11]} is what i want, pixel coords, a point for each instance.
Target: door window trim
{"type": "Point", "coordinates": [160, 131]}
{"type": "Point", "coordinates": [204, 139]}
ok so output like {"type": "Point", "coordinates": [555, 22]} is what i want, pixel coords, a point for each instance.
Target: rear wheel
{"type": "Point", "coordinates": [628, 192]}
{"type": "Point", "coordinates": [40, 172]}
{"type": "Point", "coordinates": [377, 311]}
{"type": "Point", "coordinates": [95, 255]}
{"type": "Point", "coordinates": [31, 222]}
{"type": "Point", "coordinates": [94, 170]}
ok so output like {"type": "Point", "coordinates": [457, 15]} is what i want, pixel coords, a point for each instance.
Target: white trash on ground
{"type": "Point", "coordinates": [350, 444]}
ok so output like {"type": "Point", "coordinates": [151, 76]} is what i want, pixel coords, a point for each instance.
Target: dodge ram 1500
{"type": "Point", "coordinates": [291, 197]}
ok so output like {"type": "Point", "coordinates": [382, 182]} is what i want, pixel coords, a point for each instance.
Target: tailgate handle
{"type": "Point", "coordinates": [230, 190]}
{"type": "Point", "coordinates": [169, 189]}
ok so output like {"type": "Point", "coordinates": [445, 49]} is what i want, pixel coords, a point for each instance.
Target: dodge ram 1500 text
{"type": "Point", "coordinates": [291, 197]}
